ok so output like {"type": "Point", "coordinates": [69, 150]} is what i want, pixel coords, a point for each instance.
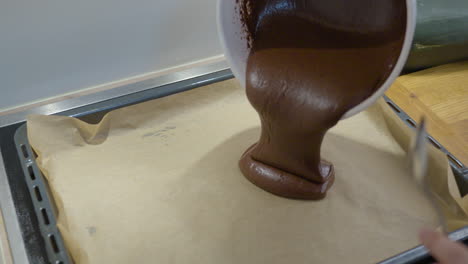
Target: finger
{"type": "Point", "coordinates": [443, 249]}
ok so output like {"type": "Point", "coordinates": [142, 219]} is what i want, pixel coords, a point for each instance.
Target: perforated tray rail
{"type": "Point", "coordinates": [44, 204]}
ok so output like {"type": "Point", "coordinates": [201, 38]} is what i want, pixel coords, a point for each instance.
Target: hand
{"type": "Point", "coordinates": [443, 249]}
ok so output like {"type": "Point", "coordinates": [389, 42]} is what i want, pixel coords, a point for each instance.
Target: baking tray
{"type": "Point", "coordinates": [46, 212]}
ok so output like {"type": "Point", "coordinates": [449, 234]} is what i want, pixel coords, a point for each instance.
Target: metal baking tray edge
{"type": "Point", "coordinates": [418, 254]}
{"type": "Point", "coordinates": [46, 211]}
{"type": "Point", "coordinates": [44, 205]}
{"type": "Point", "coordinates": [459, 169]}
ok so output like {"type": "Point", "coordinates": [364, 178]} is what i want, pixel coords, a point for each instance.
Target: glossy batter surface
{"type": "Point", "coordinates": [310, 62]}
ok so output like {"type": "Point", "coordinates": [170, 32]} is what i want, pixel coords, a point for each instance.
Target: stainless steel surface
{"type": "Point", "coordinates": [418, 158]}
{"type": "Point", "coordinates": [418, 155]}
{"type": "Point", "coordinates": [10, 218]}
{"type": "Point", "coordinates": [133, 93]}
{"type": "Point", "coordinates": [113, 93]}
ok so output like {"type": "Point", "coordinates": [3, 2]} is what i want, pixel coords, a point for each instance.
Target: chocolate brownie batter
{"type": "Point", "coordinates": [310, 62]}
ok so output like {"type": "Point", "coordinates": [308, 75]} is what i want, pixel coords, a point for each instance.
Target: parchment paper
{"type": "Point", "coordinates": [158, 182]}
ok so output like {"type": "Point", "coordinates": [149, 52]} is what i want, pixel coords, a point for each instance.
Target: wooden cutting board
{"type": "Point", "coordinates": [441, 94]}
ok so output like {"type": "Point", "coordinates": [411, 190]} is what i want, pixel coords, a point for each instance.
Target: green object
{"type": "Point", "coordinates": [441, 34]}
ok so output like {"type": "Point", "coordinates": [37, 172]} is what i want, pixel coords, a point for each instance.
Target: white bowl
{"type": "Point", "coordinates": [236, 51]}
